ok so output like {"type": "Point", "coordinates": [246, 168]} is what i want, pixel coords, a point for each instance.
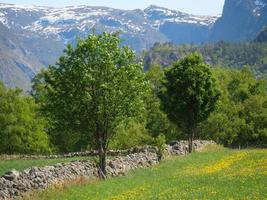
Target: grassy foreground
{"type": "Point", "coordinates": [217, 174]}
{"type": "Point", "coordinates": [6, 165]}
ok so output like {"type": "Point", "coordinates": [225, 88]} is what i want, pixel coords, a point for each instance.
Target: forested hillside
{"type": "Point", "coordinates": [230, 55]}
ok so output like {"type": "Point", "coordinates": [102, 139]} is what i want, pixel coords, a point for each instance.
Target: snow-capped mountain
{"type": "Point", "coordinates": [32, 37]}
{"type": "Point", "coordinates": [67, 23]}
{"type": "Point", "coordinates": [159, 16]}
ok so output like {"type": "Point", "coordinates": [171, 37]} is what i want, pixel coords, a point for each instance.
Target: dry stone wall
{"type": "Point", "coordinates": [181, 147]}
{"type": "Point", "coordinates": [71, 155]}
{"type": "Point", "coordinates": [14, 184]}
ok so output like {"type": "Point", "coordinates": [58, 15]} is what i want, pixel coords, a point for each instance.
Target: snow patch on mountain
{"type": "Point", "coordinates": [259, 5]}
{"type": "Point", "coordinates": [3, 19]}
{"type": "Point", "coordinates": [20, 7]}
{"type": "Point", "coordinates": [160, 15]}
{"type": "Point", "coordinates": [65, 24]}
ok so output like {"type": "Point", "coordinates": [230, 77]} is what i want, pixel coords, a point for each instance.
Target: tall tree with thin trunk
{"type": "Point", "coordinates": [189, 94]}
{"type": "Point", "coordinates": [92, 88]}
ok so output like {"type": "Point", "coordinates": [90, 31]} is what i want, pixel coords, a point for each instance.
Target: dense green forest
{"type": "Point", "coordinates": [99, 97]}
{"type": "Point", "coordinates": [229, 55]}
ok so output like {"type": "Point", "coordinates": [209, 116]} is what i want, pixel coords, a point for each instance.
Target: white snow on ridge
{"type": "Point", "coordinates": [3, 19]}
{"type": "Point", "coordinates": [56, 22]}
{"type": "Point", "coordinates": [70, 13]}
{"type": "Point", "coordinates": [20, 7]}
{"type": "Point", "coordinates": [259, 5]}
{"type": "Point", "coordinates": [163, 15]}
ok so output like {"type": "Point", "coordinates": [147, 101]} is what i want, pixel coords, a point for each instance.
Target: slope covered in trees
{"type": "Point", "coordinates": [230, 55]}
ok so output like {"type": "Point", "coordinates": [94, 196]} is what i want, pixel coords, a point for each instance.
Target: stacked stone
{"type": "Point", "coordinates": [141, 157]}
{"type": "Point", "coordinates": [74, 154]}
{"type": "Point", "coordinates": [181, 147]}
{"type": "Point", "coordinates": [14, 184]}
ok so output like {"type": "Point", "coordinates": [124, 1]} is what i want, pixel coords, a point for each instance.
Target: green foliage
{"type": "Point", "coordinates": [92, 89]}
{"type": "Point", "coordinates": [130, 134]}
{"type": "Point", "coordinates": [160, 142]}
{"type": "Point", "coordinates": [157, 121]}
{"type": "Point", "coordinates": [64, 140]}
{"type": "Point", "coordinates": [21, 127]}
{"type": "Point", "coordinates": [241, 117]}
{"type": "Point", "coordinates": [189, 93]}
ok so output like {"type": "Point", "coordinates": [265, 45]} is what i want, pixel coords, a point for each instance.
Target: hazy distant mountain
{"type": "Point", "coordinates": [34, 37]}
{"type": "Point", "coordinates": [17, 63]}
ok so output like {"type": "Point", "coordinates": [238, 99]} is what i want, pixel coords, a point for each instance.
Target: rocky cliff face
{"type": "Point", "coordinates": [241, 20]}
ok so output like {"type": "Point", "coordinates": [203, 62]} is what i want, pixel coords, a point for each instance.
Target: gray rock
{"type": "Point", "coordinates": [11, 175]}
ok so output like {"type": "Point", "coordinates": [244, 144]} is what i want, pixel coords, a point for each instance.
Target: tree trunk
{"type": "Point", "coordinates": [102, 153]}
{"type": "Point", "coordinates": [191, 132]}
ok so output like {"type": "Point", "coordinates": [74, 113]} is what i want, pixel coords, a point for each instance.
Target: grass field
{"type": "Point", "coordinates": [6, 165]}
{"type": "Point", "coordinates": [216, 174]}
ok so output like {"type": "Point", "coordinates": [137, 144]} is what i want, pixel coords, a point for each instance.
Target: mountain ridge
{"type": "Point", "coordinates": [39, 34]}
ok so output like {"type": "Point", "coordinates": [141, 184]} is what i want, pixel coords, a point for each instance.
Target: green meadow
{"type": "Point", "coordinates": [213, 174]}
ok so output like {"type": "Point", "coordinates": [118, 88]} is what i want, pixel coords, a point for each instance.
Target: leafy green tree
{"type": "Point", "coordinates": [240, 119]}
{"type": "Point", "coordinates": [92, 89]}
{"type": "Point", "coordinates": [21, 127]}
{"type": "Point", "coordinates": [63, 140]}
{"type": "Point", "coordinates": [189, 93]}
{"type": "Point", "coordinates": [157, 122]}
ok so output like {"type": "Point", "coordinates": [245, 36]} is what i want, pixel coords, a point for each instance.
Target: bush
{"type": "Point", "coordinates": [160, 142]}
{"type": "Point", "coordinates": [21, 127]}
{"type": "Point", "coordinates": [129, 134]}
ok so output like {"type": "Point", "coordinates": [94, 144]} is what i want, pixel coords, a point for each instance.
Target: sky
{"type": "Point", "coordinates": [199, 7]}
